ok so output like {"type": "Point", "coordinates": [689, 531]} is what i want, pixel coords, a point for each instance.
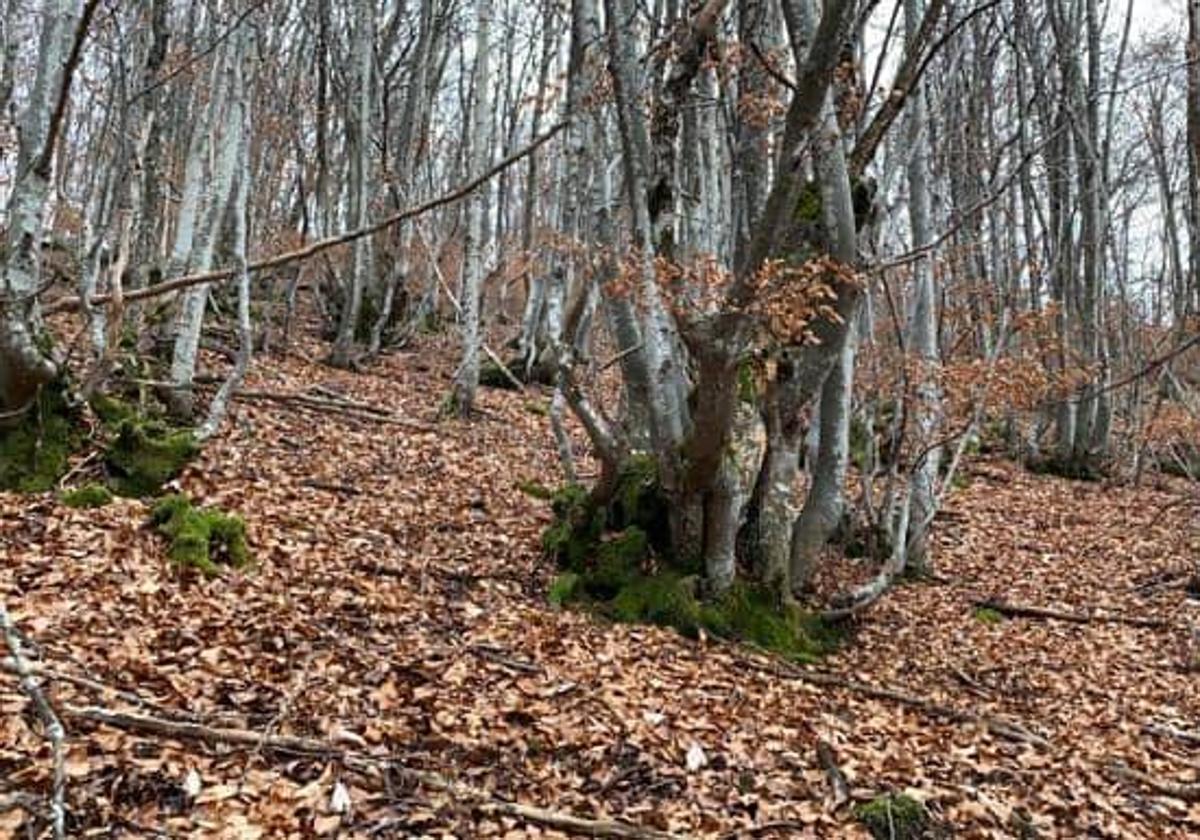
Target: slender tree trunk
{"type": "Point", "coordinates": [474, 248]}
{"type": "Point", "coordinates": [342, 354]}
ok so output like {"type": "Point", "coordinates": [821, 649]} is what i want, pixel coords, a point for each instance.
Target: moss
{"type": "Point", "coordinates": [808, 203]}
{"type": "Point", "coordinates": [491, 376]}
{"type": "Point", "coordinates": [616, 562]}
{"type": "Point", "coordinates": [667, 599]}
{"type": "Point", "coordinates": [747, 381]}
{"type": "Point", "coordinates": [535, 489]}
{"type": "Point", "coordinates": [35, 451]}
{"type": "Point", "coordinates": [894, 816]}
{"type": "Point", "coordinates": [988, 616]}
{"type": "Point", "coordinates": [564, 589]}
{"type": "Point", "coordinates": [578, 525]}
{"type": "Point", "coordinates": [145, 454]}
{"type": "Point", "coordinates": [638, 501]}
{"type": "Point", "coordinates": [201, 538]}
{"type": "Point", "coordinates": [537, 407]}
{"type": "Point", "coordinates": [110, 410]}
{"type": "Point", "coordinates": [88, 496]}
{"type": "Point", "coordinates": [755, 616]}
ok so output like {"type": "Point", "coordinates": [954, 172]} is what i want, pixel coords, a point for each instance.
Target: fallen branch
{"type": "Point", "coordinates": [378, 771]}
{"type": "Point", "coordinates": [73, 302]}
{"type": "Point", "coordinates": [1176, 790]}
{"type": "Point", "coordinates": [350, 409]}
{"type": "Point", "coordinates": [55, 733]}
{"type": "Point", "coordinates": [1165, 731]}
{"type": "Point", "coordinates": [996, 726]}
{"type": "Point", "coordinates": [839, 787]}
{"type": "Point", "coordinates": [1029, 611]}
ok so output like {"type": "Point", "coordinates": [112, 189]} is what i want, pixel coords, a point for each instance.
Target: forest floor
{"type": "Point", "coordinates": [397, 608]}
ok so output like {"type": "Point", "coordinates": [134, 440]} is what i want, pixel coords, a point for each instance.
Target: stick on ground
{"type": "Point", "coordinates": [1030, 611]}
{"type": "Point", "coordinates": [375, 770]}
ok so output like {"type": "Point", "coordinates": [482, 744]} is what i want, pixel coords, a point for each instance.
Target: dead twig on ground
{"type": "Point", "coordinates": [1009, 730]}
{"type": "Point", "coordinates": [376, 771]}
{"type": "Point", "coordinates": [1187, 792]}
{"type": "Point", "coordinates": [1013, 610]}
{"type": "Point", "coordinates": [55, 733]}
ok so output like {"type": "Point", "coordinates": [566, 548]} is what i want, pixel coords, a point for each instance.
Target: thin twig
{"type": "Point", "coordinates": [55, 733]}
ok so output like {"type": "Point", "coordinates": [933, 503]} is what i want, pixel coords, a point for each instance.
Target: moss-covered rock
{"type": "Point", "coordinates": [578, 525]}
{"type": "Point", "coordinates": [615, 555]}
{"type": "Point", "coordinates": [35, 448]}
{"type": "Point", "coordinates": [616, 562]}
{"type": "Point", "coordinates": [145, 454]}
{"type": "Point", "coordinates": [88, 496]}
{"type": "Point", "coordinates": [637, 501]}
{"type": "Point", "coordinates": [895, 817]}
{"type": "Point", "coordinates": [202, 538]}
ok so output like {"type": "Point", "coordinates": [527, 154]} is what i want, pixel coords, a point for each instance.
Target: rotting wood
{"type": "Point", "coordinates": [1014, 610]}
{"type": "Point", "coordinates": [377, 771]}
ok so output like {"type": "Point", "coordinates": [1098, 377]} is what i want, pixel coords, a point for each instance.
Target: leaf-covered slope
{"type": "Point", "coordinates": [397, 607]}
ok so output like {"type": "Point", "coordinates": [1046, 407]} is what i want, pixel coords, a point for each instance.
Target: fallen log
{"type": "Point", "coordinates": [1013, 610]}
{"type": "Point", "coordinates": [377, 771]}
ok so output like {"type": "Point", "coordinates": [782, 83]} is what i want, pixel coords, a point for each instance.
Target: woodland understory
{"type": "Point", "coordinates": [470, 418]}
{"type": "Point", "coordinates": [397, 614]}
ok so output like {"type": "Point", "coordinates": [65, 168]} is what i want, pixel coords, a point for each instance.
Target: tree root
{"type": "Point", "coordinates": [1030, 611]}
{"type": "Point", "coordinates": [378, 772]}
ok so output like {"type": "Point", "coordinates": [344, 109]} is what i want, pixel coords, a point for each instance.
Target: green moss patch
{"type": "Point", "coordinates": [145, 454]}
{"type": "Point", "coordinates": [201, 538]}
{"type": "Point", "coordinates": [36, 448]}
{"type": "Point", "coordinates": [536, 490]}
{"type": "Point", "coordinates": [88, 496]}
{"type": "Point", "coordinates": [614, 558]}
{"type": "Point", "coordinates": [755, 616]}
{"type": "Point", "coordinates": [988, 616]}
{"type": "Point", "coordinates": [1074, 467]}
{"type": "Point", "coordinates": [895, 817]}
{"type": "Point", "coordinates": [564, 589]}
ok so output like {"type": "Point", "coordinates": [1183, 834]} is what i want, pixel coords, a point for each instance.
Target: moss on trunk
{"type": "Point", "coordinates": [613, 549]}
{"type": "Point", "coordinates": [35, 449]}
